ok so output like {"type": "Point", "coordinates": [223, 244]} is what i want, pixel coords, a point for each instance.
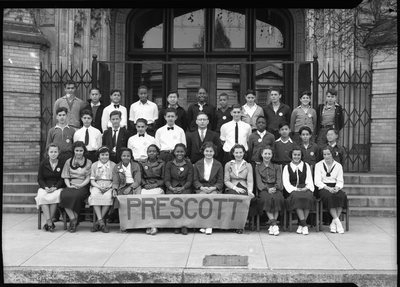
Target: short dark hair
{"type": "Point", "coordinates": [173, 92]}
{"type": "Point", "coordinates": [202, 113]}
{"type": "Point", "coordinates": [116, 90]}
{"type": "Point", "coordinates": [62, 109]}
{"type": "Point", "coordinates": [102, 149]}
{"type": "Point", "coordinates": [198, 90]}
{"type": "Point", "coordinates": [223, 95]}
{"type": "Point", "coordinates": [233, 150]}
{"type": "Point", "coordinates": [113, 113]}
{"type": "Point", "coordinates": [333, 129]}
{"type": "Point", "coordinates": [124, 149]}
{"type": "Point", "coordinates": [250, 91]}
{"type": "Point", "coordinates": [94, 89]}
{"type": "Point", "coordinates": [70, 82]}
{"type": "Point", "coordinates": [264, 148]}
{"type": "Point", "coordinates": [179, 145]}
{"type": "Point", "coordinates": [141, 120]}
{"type": "Point", "coordinates": [53, 144]}
{"type": "Point", "coordinates": [170, 110]}
{"type": "Point", "coordinates": [331, 91]}
{"type": "Point", "coordinates": [142, 87]}
{"type": "Point", "coordinates": [327, 147]}
{"type": "Point", "coordinates": [282, 124]}
{"type": "Point", "coordinates": [261, 117]}
{"type": "Point", "coordinates": [155, 146]}
{"type": "Point", "coordinates": [296, 147]}
{"type": "Point", "coordinates": [276, 89]}
{"type": "Point", "coordinates": [237, 106]}
{"type": "Point", "coordinates": [87, 112]}
{"type": "Point", "coordinates": [207, 145]}
{"type": "Point", "coordinates": [305, 128]}
{"type": "Point", "coordinates": [308, 93]}
{"type": "Point", "coordinates": [79, 144]}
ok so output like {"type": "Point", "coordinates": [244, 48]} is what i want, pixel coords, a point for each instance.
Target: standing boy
{"type": "Point", "coordinates": [169, 135]}
{"type": "Point", "coordinates": [223, 114]}
{"type": "Point", "coordinates": [200, 106]}
{"type": "Point", "coordinates": [234, 132]}
{"type": "Point", "coordinates": [303, 115]}
{"type": "Point", "coordinates": [283, 145]}
{"type": "Point", "coordinates": [115, 137]}
{"type": "Point", "coordinates": [96, 106]}
{"type": "Point", "coordinates": [258, 140]}
{"type": "Point", "coordinates": [144, 108]}
{"type": "Point", "coordinates": [339, 152]}
{"type": "Point", "coordinates": [89, 135]}
{"type": "Point", "coordinates": [173, 99]}
{"type": "Point", "coordinates": [276, 112]}
{"type": "Point", "coordinates": [329, 115]}
{"type": "Point", "coordinates": [196, 139]}
{"type": "Point", "coordinates": [73, 104]}
{"type": "Point", "coordinates": [140, 142]}
{"type": "Point", "coordinates": [251, 111]}
{"type": "Point", "coordinates": [115, 105]}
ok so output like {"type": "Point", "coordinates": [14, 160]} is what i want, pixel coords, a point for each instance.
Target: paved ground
{"type": "Point", "coordinates": [366, 253]}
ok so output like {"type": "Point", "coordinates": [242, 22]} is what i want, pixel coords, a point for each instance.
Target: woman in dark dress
{"type": "Point", "coordinates": [50, 185]}
{"type": "Point", "coordinates": [179, 176]}
{"type": "Point", "coordinates": [76, 174]}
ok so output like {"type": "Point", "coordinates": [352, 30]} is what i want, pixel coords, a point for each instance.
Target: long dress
{"type": "Point", "coordinates": [102, 174]}
{"type": "Point", "coordinates": [72, 198]}
{"type": "Point", "coordinates": [47, 177]}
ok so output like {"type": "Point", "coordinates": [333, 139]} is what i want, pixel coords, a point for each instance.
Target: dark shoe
{"type": "Point", "coordinates": [104, 229]}
{"type": "Point", "coordinates": [184, 231]}
{"type": "Point", "coordinates": [46, 227]}
{"type": "Point", "coordinates": [95, 227]}
{"type": "Point", "coordinates": [177, 231]}
{"type": "Point", "coordinates": [74, 225]}
{"type": "Point", "coordinates": [52, 227]}
{"type": "Point", "coordinates": [239, 231]}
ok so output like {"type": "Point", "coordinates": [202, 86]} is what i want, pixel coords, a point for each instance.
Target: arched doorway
{"type": "Point", "coordinates": [223, 50]}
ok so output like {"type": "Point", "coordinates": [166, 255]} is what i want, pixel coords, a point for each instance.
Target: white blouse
{"type": "Point", "coordinates": [128, 173]}
{"type": "Point", "coordinates": [336, 174]}
{"type": "Point", "coordinates": [207, 169]}
{"type": "Point", "coordinates": [285, 176]}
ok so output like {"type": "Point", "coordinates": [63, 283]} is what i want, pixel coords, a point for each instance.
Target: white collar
{"type": "Point", "coordinates": [205, 163]}
{"type": "Point", "coordinates": [100, 164]}
{"type": "Point", "coordinates": [57, 126]}
{"type": "Point", "coordinates": [289, 140]}
{"type": "Point", "coordinates": [300, 166]}
{"type": "Point", "coordinates": [93, 105]}
{"type": "Point", "coordinates": [261, 134]}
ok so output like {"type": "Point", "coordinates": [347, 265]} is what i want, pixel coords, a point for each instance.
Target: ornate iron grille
{"type": "Point", "coordinates": [354, 94]}
{"type": "Point", "coordinates": [52, 88]}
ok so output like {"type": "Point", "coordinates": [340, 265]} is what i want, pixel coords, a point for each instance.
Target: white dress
{"type": "Point", "coordinates": [102, 174]}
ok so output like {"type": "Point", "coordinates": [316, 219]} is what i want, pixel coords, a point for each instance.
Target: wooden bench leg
{"type": "Point", "coordinates": [39, 218]}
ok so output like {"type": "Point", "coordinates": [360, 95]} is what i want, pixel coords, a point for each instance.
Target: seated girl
{"type": "Point", "coordinates": [238, 178]}
{"type": "Point", "coordinates": [269, 186]}
{"type": "Point", "coordinates": [179, 176]}
{"type": "Point", "coordinates": [101, 188]}
{"type": "Point", "coordinates": [50, 185]}
{"type": "Point", "coordinates": [208, 175]}
{"type": "Point", "coordinates": [298, 182]}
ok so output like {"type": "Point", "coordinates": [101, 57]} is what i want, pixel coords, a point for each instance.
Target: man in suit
{"type": "Point", "coordinates": [196, 139]}
{"type": "Point", "coordinates": [115, 137]}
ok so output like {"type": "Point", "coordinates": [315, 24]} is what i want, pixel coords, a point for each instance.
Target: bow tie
{"type": "Point", "coordinates": [116, 106]}
{"type": "Point", "coordinates": [171, 128]}
{"type": "Point", "coordinates": [141, 135]}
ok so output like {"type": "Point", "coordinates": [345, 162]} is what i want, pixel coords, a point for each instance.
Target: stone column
{"type": "Point", "coordinates": [22, 44]}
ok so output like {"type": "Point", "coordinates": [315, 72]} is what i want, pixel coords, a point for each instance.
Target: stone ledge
{"type": "Point", "coordinates": [65, 275]}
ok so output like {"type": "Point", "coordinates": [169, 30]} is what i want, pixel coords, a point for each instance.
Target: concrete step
{"type": "Point", "coordinates": [19, 198]}
{"type": "Point", "coordinates": [371, 201]}
{"type": "Point", "coordinates": [369, 178]}
{"type": "Point", "coordinates": [20, 176]}
{"type": "Point", "coordinates": [373, 212]}
{"type": "Point", "coordinates": [20, 187]}
{"type": "Point", "coordinates": [364, 189]}
{"type": "Point", "coordinates": [19, 208]}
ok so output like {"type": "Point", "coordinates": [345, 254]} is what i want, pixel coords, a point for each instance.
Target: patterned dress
{"type": "Point", "coordinates": [102, 174]}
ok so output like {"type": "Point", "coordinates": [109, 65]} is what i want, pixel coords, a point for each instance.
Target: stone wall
{"type": "Point", "coordinates": [384, 113]}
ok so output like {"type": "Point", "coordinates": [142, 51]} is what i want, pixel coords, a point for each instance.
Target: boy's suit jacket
{"type": "Point", "coordinates": [216, 176]}
{"type": "Point", "coordinates": [122, 139]}
{"type": "Point", "coordinates": [194, 144]}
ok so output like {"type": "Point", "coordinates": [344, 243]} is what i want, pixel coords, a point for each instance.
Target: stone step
{"type": "Point", "coordinates": [19, 198]}
{"type": "Point", "coordinates": [19, 208]}
{"type": "Point", "coordinates": [373, 212]}
{"type": "Point", "coordinates": [369, 178]}
{"type": "Point", "coordinates": [364, 189]}
{"type": "Point", "coordinates": [371, 201]}
{"type": "Point", "coordinates": [20, 187]}
{"type": "Point", "coordinates": [20, 176]}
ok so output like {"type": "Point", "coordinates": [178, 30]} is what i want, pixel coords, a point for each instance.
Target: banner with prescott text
{"type": "Point", "coordinates": [224, 211]}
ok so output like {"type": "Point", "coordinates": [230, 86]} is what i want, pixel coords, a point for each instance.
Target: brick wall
{"type": "Point", "coordinates": [384, 114]}
{"type": "Point", "coordinates": [21, 101]}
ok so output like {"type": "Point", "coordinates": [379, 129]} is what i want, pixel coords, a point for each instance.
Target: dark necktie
{"type": "Point", "coordinates": [237, 133]}
{"type": "Point", "coordinates": [171, 128]}
{"type": "Point", "coordinates": [141, 135]}
{"type": "Point", "coordinates": [116, 106]}
{"type": "Point", "coordinates": [114, 139]}
{"type": "Point", "coordinates": [87, 137]}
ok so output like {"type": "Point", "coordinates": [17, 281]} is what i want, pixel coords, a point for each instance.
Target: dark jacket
{"type": "Point", "coordinates": [339, 118]}
{"type": "Point", "coordinates": [216, 176]}
{"type": "Point", "coordinates": [47, 177]}
{"type": "Point", "coordinates": [283, 114]}
{"type": "Point", "coordinates": [96, 122]}
{"type": "Point", "coordinates": [194, 144]}
{"type": "Point", "coordinates": [179, 175]}
{"type": "Point", "coordinates": [122, 139]}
